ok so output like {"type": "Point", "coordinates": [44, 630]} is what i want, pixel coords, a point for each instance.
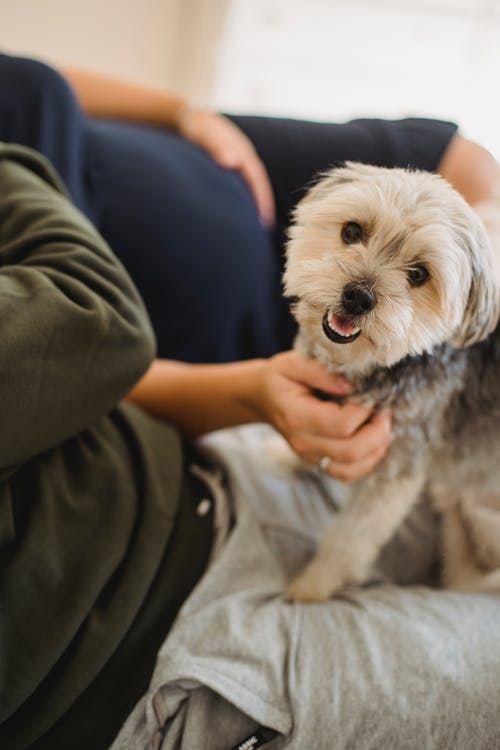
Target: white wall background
{"type": "Point", "coordinates": [122, 37]}
{"type": "Point", "coordinates": [336, 59]}
{"type": "Point", "coordinates": [155, 42]}
{"type": "Point", "coordinates": [323, 59]}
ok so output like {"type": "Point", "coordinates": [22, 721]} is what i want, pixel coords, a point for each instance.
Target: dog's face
{"type": "Point", "coordinates": [384, 263]}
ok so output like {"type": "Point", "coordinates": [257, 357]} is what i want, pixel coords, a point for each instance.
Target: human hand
{"type": "Point", "coordinates": [354, 437]}
{"type": "Point", "coordinates": [230, 148]}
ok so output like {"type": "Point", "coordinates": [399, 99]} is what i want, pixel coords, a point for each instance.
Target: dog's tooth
{"type": "Point", "coordinates": [342, 333]}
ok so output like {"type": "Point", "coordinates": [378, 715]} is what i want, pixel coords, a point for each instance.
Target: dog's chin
{"type": "Point", "coordinates": [348, 348]}
{"type": "Point", "coordinates": [339, 330]}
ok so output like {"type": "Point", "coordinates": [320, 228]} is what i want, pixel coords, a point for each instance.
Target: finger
{"type": "Point", "coordinates": [311, 422]}
{"type": "Point", "coordinates": [255, 175]}
{"type": "Point", "coordinates": [231, 148]}
{"type": "Point", "coordinates": [357, 470]}
{"type": "Point", "coordinates": [374, 435]}
{"type": "Point", "coordinates": [312, 374]}
{"type": "Point", "coordinates": [227, 157]}
{"type": "Point", "coordinates": [247, 163]}
{"type": "Point", "coordinates": [325, 420]}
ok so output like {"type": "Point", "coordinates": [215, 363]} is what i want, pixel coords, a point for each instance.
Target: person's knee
{"type": "Point", "coordinates": [34, 82]}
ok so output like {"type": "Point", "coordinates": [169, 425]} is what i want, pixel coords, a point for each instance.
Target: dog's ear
{"type": "Point", "coordinates": [483, 304]}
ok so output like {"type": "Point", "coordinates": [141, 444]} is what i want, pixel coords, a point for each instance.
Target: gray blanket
{"type": "Point", "coordinates": [387, 666]}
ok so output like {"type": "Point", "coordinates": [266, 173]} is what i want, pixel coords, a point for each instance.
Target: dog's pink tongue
{"type": "Point", "coordinates": [341, 324]}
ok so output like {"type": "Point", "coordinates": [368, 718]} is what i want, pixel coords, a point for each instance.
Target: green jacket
{"type": "Point", "coordinates": [89, 491]}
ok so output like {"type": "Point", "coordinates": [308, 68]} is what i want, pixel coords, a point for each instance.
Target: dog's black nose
{"type": "Point", "coordinates": [357, 299]}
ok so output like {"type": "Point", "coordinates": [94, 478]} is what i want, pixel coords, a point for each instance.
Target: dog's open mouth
{"type": "Point", "coordinates": [338, 329]}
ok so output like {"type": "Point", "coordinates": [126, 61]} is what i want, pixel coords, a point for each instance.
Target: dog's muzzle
{"type": "Point", "coordinates": [338, 329]}
{"type": "Point", "coordinates": [357, 300]}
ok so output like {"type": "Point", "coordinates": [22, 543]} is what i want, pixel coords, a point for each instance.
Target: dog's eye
{"type": "Point", "coordinates": [352, 233]}
{"type": "Point", "coordinates": [418, 275]}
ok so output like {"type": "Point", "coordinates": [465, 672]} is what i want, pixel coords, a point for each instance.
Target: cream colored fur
{"type": "Point", "coordinates": [408, 220]}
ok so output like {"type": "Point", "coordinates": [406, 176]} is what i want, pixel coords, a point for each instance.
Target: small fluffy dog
{"type": "Point", "coordinates": [393, 282]}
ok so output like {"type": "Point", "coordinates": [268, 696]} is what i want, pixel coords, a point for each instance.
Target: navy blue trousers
{"type": "Point", "coordinates": [186, 229]}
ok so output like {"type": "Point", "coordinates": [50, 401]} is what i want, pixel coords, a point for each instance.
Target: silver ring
{"type": "Point", "coordinates": [324, 464]}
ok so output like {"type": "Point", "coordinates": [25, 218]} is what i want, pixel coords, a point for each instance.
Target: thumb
{"type": "Point", "coordinates": [314, 375]}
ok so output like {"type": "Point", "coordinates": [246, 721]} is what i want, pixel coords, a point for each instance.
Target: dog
{"type": "Point", "coordinates": [392, 277]}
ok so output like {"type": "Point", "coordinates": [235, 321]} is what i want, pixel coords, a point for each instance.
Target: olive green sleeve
{"type": "Point", "coordinates": [74, 334]}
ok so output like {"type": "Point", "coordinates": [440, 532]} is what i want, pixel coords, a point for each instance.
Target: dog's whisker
{"type": "Point", "coordinates": [342, 264]}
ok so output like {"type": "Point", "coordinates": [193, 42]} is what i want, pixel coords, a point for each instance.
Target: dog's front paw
{"type": "Point", "coordinates": [314, 584]}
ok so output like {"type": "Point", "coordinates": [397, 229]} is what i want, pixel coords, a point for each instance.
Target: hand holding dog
{"type": "Point", "coordinates": [279, 390]}
{"type": "Point", "coordinates": [354, 437]}
{"type": "Point", "coordinates": [101, 96]}
{"type": "Point", "coordinates": [230, 148]}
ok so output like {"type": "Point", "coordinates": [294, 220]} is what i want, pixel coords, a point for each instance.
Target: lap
{"type": "Point", "coordinates": [382, 666]}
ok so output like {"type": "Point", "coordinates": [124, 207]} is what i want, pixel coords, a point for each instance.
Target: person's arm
{"type": "Point", "coordinates": [201, 398]}
{"type": "Point", "coordinates": [102, 96]}
{"type": "Point", "coordinates": [75, 336]}
{"type": "Point", "coordinates": [475, 173]}
{"type": "Point", "coordinates": [471, 169]}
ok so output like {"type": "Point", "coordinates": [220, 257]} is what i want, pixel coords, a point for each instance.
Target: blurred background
{"type": "Point", "coordinates": [316, 59]}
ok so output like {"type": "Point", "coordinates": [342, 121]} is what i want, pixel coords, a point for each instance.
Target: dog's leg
{"type": "Point", "coordinates": [352, 543]}
{"type": "Point", "coordinates": [461, 570]}
{"type": "Point", "coordinates": [459, 565]}
{"type": "Point", "coordinates": [489, 583]}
